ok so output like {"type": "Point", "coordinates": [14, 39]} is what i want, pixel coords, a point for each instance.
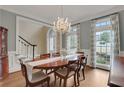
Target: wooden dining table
{"type": "Point", "coordinates": [51, 63]}
{"type": "Point", "coordinates": [57, 63]}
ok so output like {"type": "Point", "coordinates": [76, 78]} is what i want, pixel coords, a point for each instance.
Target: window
{"type": "Point", "coordinates": [105, 23]}
{"type": "Point", "coordinates": [103, 42]}
{"type": "Point", "coordinates": [73, 38]}
{"type": "Point", "coordinates": [51, 41]}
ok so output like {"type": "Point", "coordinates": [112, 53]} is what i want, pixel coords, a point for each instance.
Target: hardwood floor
{"type": "Point", "coordinates": [94, 78]}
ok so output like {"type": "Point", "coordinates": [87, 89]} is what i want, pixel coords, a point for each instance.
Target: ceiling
{"type": "Point", "coordinates": [48, 13]}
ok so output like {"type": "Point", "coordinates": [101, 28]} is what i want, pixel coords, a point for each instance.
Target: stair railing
{"type": "Point", "coordinates": [26, 48]}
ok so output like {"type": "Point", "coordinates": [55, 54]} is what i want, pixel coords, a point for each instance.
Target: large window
{"type": "Point", "coordinates": [73, 38]}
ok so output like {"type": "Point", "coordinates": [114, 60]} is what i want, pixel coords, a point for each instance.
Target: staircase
{"type": "Point", "coordinates": [25, 50]}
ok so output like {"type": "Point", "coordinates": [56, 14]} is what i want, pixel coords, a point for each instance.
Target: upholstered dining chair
{"type": "Point", "coordinates": [65, 73]}
{"type": "Point", "coordinates": [38, 77]}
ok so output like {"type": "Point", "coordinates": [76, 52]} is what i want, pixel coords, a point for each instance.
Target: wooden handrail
{"type": "Point", "coordinates": [27, 41]}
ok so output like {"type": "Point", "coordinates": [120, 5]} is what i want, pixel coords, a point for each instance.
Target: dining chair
{"type": "Point", "coordinates": [37, 77]}
{"type": "Point", "coordinates": [44, 56]}
{"type": "Point", "coordinates": [65, 73]}
{"type": "Point", "coordinates": [82, 62]}
{"type": "Point", "coordinates": [79, 52]}
{"type": "Point", "coordinates": [56, 54]}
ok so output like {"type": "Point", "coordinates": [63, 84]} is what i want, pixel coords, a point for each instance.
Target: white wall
{"type": "Point", "coordinates": [35, 33]}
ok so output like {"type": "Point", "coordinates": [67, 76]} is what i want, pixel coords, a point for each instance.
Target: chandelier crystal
{"type": "Point", "coordinates": [61, 25]}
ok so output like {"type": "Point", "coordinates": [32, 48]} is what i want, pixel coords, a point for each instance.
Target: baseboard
{"type": "Point", "coordinates": [11, 70]}
{"type": "Point", "coordinates": [101, 66]}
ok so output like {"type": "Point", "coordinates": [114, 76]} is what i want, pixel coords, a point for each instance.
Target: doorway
{"type": "Point", "coordinates": [104, 51]}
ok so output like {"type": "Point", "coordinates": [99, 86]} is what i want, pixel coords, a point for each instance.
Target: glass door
{"type": "Point", "coordinates": [104, 49]}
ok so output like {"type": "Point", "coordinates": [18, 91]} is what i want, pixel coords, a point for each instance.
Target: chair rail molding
{"type": "Point", "coordinates": [121, 53]}
{"type": "Point", "coordinates": [86, 52]}
{"type": "Point", "coordinates": [13, 62]}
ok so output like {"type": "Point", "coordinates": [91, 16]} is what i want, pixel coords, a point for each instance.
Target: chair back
{"type": "Point", "coordinates": [70, 66]}
{"type": "Point", "coordinates": [44, 56]}
{"type": "Point", "coordinates": [56, 54]}
{"type": "Point", "coordinates": [80, 53]}
{"type": "Point", "coordinates": [83, 61]}
{"type": "Point", "coordinates": [24, 70]}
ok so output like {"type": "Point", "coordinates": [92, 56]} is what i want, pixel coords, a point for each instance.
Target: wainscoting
{"type": "Point", "coordinates": [15, 66]}
{"type": "Point", "coordinates": [13, 62]}
{"type": "Point", "coordinates": [87, 52]}
{"type": "Point", "coordinates": [121, 53]}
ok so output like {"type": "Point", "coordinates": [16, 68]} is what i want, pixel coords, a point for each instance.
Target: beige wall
{"type": "Point", "coordinates": [35, 33]}
{"type": "Point", "coordinates": [44, 40]}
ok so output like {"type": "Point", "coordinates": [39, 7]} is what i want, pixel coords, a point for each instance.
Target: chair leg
{"type": "Point", "coordinates": [48, 82]}
{"type": "Point", "coordinates": [78, 78]}
{"type": "Point", "coordinates": [55, 80]}
{"type": "Point", "coordinates": [65, 82]}
{"type": "Point", "coordinates": [46, 71]}
{"type": "Point", "coordinates": [60, 82]}
{"type": "Point", "coordinates": [83, 74]}
{"type": "Point", "coordinates": [75, 80]}
{"type": "Point", "coordinates": [26, 85]}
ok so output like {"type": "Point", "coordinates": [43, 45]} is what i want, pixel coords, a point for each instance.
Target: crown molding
{"type": "Point", "coordinates": [82, 19]}
{"type": "Point", "coordinates": [26, 15]}
{"type": "Point", "coordinates": [103, 13]}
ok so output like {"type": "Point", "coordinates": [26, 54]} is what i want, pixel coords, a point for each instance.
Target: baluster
{"type": "Point", "coordinates": [27, 51]}
{"type": "Point", "coordinates": [18, 47]}
{"type": "Point", "coordinates": [33, 52]}
{"type": "Point", "coordinates": [21, 47]}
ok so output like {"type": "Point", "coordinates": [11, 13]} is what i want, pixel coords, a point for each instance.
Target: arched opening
{"type": "Point", "coordinates": [51, 41]}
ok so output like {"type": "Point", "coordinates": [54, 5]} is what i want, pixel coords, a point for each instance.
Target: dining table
{"type": "Point", "coordinates": [50, 63]}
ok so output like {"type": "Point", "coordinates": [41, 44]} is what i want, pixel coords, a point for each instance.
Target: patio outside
{"type": "Point", "coordinates": [103, 47]}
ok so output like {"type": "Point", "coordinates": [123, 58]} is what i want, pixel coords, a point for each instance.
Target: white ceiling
{"type": "Point", "coordinates": [49, 13]}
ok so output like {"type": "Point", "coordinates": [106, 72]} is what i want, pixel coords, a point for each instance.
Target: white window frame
{"type": "Point", "coordinates": [48, 41]}
{"type": "Point", "coordinates": [73, 33]}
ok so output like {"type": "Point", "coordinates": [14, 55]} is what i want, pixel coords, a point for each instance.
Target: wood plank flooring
{"type": "Point", "coordinates": [94, 78]}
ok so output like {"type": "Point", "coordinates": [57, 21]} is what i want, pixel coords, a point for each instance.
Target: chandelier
{"type": "Point", "coordinates": [61, 24]}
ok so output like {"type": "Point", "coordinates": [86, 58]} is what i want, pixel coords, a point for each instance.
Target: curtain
{"type": "Point", "coordinates": [58, 41]}
{"type": "Point", "coordinates": [78, 37]}
{"type": "Point", "coordinates": [115, 28]}
{"type": "Point", "coordinates": [92, 45]}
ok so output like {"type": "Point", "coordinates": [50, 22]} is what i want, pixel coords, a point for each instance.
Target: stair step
{"type": "Point", "coordinates": [27, 60]}
{"type": "Point", "coordinates": [22, 57]}
{"type": "Point", "coordinates": [17, 54]}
